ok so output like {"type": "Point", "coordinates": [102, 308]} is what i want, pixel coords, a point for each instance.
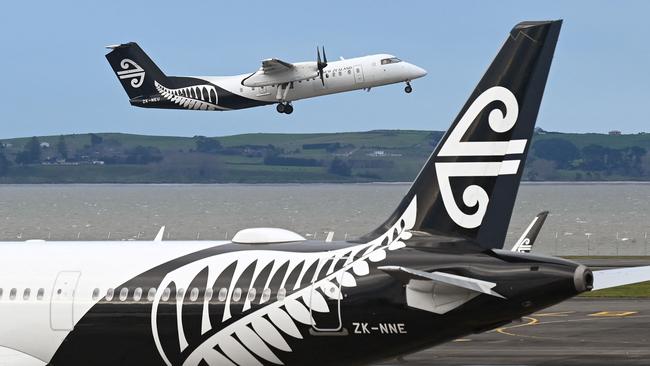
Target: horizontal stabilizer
{"type": "Point", "coordinates": [619, 277]}
{"type": "Point", "coordinates": [406, 274]}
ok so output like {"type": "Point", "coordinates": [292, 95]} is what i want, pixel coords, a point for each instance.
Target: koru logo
{"type": "Point", "coordinates": [133, 71]}
{"type": "Point", "coordinates": [474, 195]}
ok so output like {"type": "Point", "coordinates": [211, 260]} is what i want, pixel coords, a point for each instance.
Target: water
{"type": "Point", "coordinates": [586, 219]}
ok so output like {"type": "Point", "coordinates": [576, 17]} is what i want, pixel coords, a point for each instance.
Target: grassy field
{"type": "Point", "coordinates": [382, 155]}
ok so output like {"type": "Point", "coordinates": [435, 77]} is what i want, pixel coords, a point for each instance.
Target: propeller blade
{"type": "Point", "coordinates": [318, 53]}
{"type": "Point", "coordinates": [322, 80]}
{"type": "Point", "coordinates": [324, 57]}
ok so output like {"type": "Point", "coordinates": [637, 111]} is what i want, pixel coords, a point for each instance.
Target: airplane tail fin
{"type": "Point", "coordinates": [528, 237]}
{"type": "Point", "coordinates": [134, 69]}
{"type": "Point", "coordinates": [468, 186]}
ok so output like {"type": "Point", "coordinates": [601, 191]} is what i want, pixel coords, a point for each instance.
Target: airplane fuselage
{"type": "Point", "coordinates": [228, 92]}
{"type": "Point", "coordinates": [184, 303]}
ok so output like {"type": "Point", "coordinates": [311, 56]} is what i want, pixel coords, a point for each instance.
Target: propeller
{"type": "Point", "coordinates": [321, 64]}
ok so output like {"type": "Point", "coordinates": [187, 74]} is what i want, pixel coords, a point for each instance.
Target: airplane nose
{"type": "Point", "coordinates": [417, 72]}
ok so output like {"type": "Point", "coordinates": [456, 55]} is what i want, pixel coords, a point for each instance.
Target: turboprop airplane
{"type": "Point", "coordinates": [434, 271]}
{"type": "Point", "coordinates": [276, 81]}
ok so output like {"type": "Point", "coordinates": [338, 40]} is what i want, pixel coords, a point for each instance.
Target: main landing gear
{"type": "Point", "coordinates": [408, 88]}
{"type": "Point", "coordinates": [285, 108]}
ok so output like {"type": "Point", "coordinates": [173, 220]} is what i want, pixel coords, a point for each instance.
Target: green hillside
{"type": "Point", "coordinates": [382, 155]}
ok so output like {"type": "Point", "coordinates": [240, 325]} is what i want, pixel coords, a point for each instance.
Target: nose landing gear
{"type": "Point", "coordinates": [285, 108]}
{"type": "Point", "coordinates": [408, 88]}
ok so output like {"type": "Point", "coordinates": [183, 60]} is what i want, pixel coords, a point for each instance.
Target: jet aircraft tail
{"type": "Point", "coordinates": [135, 70]}
{"type": "Point", "coordinates": [468, 186]}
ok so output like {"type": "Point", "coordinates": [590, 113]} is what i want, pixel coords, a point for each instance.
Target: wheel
{"type": "Point", "coordinates": [280, 108]}
{"type": "Point", "coordinates": [408, 89]}
{"type": "Point", "coordinates": [288, 109]}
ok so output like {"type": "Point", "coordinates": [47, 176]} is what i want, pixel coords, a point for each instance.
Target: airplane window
{"type": "Point", "coordinates": [26, 294]}
{"type": "Point", "coordinates": [194, 294]}
{"type": "Point", "coordinates": [236, 295]}
{"type": "Point", "coordinates": [95, 294]}
{"type": "Point", "coordinates": [222, 294]}
{"type": "Point", "coordinates": [12, 294]}
{"type": "Point", "coordinates": [266, 295]}
{"type": "Point", "coordinates": [109, 294]}
{"type": "Point", "coordinates": [166, 293]}
{"type": "Point", "coordinates": [208, 294]}
{"type": "Point", "coordinates": [340, 73]}
{"type": "Point", "coordinates": [0, 293]}
{"type": "Point", "coordinates": [151, 295]}
{"type": "Point", "coordinates": [392, 60]}
{"type": "Point", "coordinates": [282, 293]}
{"type": "Point", "coordinates": [180, 293]}
{"type": "Point", "coordinates": [327, 75]}
{"type": "Point", "coordinates": [39, 295]}
{"type": "Point", "coordinates": [124, 293]}
{"type": "Point", "coordinates": [251, 294]}
{"type": "Point", "coordinates": [349, 72]}
{"type": "Point", "coordinates": [137, 294]}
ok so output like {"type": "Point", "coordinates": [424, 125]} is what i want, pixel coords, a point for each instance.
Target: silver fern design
{"type": "Point", "coordinates": [199, 97]}
{"type": "Point", "coordinates": [252, 325]}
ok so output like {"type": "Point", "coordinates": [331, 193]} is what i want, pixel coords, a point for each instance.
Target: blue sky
{"type": "Point", "coordinates": [55, 79]}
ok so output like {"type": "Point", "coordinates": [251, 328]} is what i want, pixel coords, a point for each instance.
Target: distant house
{"type": "Point", "coordinates": [614, 133]}
{"type": "Point", "coordinates": [6, 145]}
{"type": "Point", "coordinates": [45, 145]}
{"type": "Point", "coordinates": [381, 154]}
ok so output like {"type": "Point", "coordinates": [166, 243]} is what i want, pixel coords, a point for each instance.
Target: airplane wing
{"type": "Point", "coordinates": [273, 65]}
{"type": "Point", "coordinates": [278, 72]}
{"type": "Point", "coordinates": [527, 239]}
{"type": "Point", "coordinates": [438, 292]}
{"type": "Point", "coordinates": [619, 277]}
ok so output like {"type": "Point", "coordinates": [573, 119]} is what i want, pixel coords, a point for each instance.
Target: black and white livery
{"type": "Point", "coordinates": [276, 81]}
{"type": "Point", "coordinates": [434, 271]}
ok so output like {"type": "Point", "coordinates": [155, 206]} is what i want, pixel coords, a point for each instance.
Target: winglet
{"type": "Point", "coordinates": [527, 239]}
{"type": "Point", "coordinates": [159, 236]}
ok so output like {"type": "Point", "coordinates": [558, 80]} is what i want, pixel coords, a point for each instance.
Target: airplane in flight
{"type": "Point", "coordinates": [433, 272]}
{"type": "Point", "coordinates": [276, 82]}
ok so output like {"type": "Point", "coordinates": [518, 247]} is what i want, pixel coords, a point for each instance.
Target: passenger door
{"type": "Point", "coordinates": [358, 74]}
{"type": "Point", "coordinates": [62, 300]}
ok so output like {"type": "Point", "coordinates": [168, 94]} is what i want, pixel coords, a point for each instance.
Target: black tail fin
{"type": "Point", "coordinates": [468, 186]}
{"type": "Point", "coordinates": [134, 69]}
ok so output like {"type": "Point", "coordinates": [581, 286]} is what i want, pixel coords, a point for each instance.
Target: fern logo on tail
{"type": "Point", "coordinates": [133, 71]}
{"type": "Point", "coordinates": [475, 196]}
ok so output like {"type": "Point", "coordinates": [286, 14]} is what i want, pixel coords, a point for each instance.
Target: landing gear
{"type": "Point", "coordinates": [285, 108]}
{"type": "Point", "coordinates": [408, 88]}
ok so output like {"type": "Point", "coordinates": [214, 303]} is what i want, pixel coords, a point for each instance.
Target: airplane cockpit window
{"type": "Point", "coordinates": [392, 60]}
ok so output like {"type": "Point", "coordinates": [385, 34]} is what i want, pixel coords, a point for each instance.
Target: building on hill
{"type": "Point", "coordinates": [614, 133]}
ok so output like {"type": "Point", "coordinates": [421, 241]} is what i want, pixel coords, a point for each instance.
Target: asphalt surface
{"type": "Point", "coordinates": [576, 332]}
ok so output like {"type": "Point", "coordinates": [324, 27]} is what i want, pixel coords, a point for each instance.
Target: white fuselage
{"type": "Point", "coordinates": [339, 76]}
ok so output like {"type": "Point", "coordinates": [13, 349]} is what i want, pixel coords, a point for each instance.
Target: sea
{"type": "Point", "coordinates": [585, 219]}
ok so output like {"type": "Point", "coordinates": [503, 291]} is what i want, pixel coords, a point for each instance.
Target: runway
{"type": "Point", "coordinates": [577, 332]}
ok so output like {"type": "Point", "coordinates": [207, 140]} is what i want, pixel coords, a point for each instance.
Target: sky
{"type": "Point", "coordinates": [54, 78]}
